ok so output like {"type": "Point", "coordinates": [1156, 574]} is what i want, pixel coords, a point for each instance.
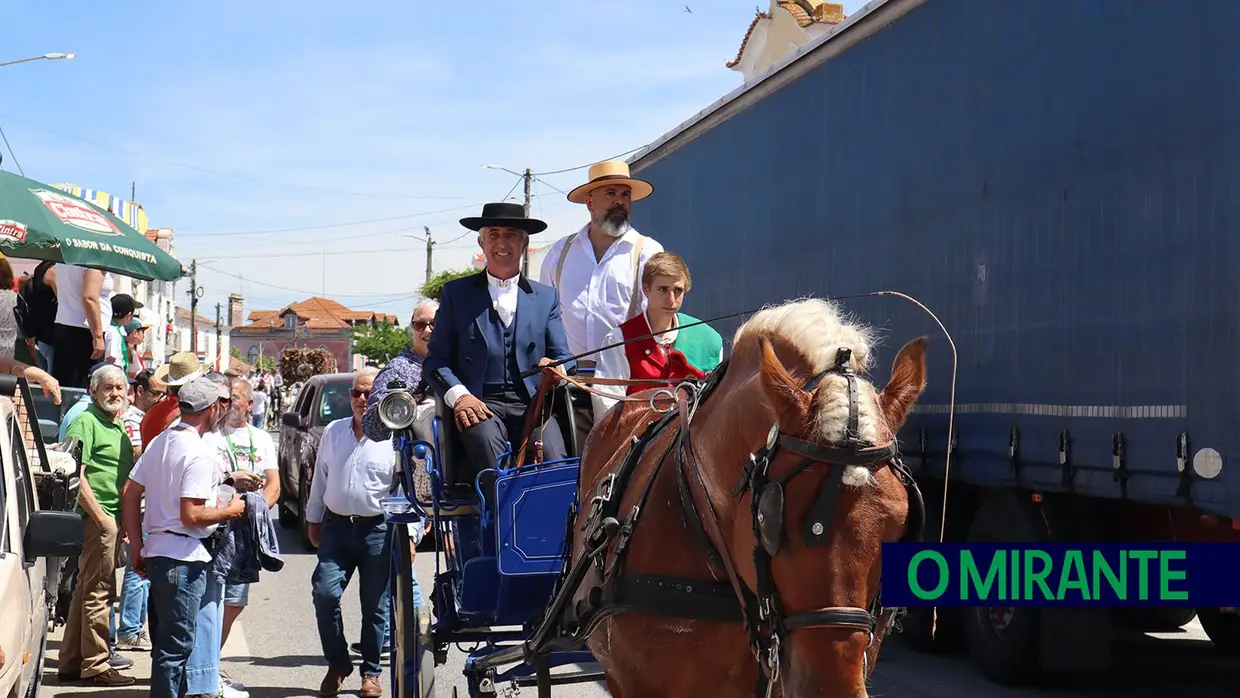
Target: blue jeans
{"type": "Point", "coordinates": [418, 602]}
{"type": "Point", "coordinates": [345, 547]}
{"type": "Point", "coordinates": [176, 596]}
{"type": "Point", "coordinates": [202, 671]}
{"type": "Point", "coordinates": [259, 418]}
{"type": "Point", "coordinates": [46, 353]}
{"type": "Point", "coordinates": [135, 593]}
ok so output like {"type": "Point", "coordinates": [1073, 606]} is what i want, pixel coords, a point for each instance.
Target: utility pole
{"type": "Point", "coordinates": [529, 180]}
{"type": "Point", "coordinates": [194, 293]}
{"type": "Point", "coordinates": [219, 347]}
{"type": "Point", "coordinates": [430, 245]}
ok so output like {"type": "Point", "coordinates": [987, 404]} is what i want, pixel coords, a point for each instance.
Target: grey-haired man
{"type": "Point", "coordinates": [179, 477]}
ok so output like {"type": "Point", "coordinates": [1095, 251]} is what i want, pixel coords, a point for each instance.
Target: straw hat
{"type": "Point", "coordinates": [180, 369]}
{"type": "Point", "coordinates": [611, 172]}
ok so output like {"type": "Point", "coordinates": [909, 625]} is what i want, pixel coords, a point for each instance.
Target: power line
{"type": "Point", "coordinates": [218, 173]}
{"type": "Point", "coordinates": [588, 164]}
{"type": "Point", "coordinates": [249, 280]}
{"type": "Point", "coordinates": [281, 255]}
{"type": "Point", "coordinates": [11, 153]}
{"type": "Point", "coordinates": [336, 225]}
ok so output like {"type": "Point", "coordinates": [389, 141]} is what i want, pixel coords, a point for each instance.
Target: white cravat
{"type": "Point", "coordinates": [503, 297]}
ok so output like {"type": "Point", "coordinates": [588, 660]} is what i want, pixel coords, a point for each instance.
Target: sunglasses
{"type": "Point", "coordinates": [421, 325]}
{"type": "Point", "coordinates": [359, 393]}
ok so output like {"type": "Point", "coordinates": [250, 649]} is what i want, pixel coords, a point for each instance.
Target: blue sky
{"type": "Point", "coordinates": [239, 117]}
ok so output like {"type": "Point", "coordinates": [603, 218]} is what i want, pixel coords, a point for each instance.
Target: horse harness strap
{"type": "Point", "coordinates": [759, 609]}
{"type": "Point", "coordinates": [635, 294]}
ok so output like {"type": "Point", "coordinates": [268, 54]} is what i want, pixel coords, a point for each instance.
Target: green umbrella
{"type": "Point", "coordinates": [39, 221]}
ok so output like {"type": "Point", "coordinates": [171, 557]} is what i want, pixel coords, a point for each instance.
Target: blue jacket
{"type": "Point", "coordinates": [458, 349]}
{"type": "Point", "coordinates": [249, 544]}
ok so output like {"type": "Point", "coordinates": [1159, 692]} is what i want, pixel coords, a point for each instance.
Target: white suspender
{"type": "Point", "coordinates": [635, 295]}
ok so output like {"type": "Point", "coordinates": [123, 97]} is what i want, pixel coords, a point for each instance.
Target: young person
{"type": "Point", "coordinates": [674, 354]}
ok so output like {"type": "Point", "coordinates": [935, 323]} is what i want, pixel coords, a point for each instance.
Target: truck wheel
{"type": "Point", "coordinates": [1003, 641]}
{"type": "Point", "coordinates": [1154, 620]}
{"type": "Point", "coordinates": [1222, 628]}
{"type": "Point", "coordinates": [303, 497]}
{"type": "Point", "coordinates": [287, 518]}
{"type": "Point", "coordinates": [915, 626]}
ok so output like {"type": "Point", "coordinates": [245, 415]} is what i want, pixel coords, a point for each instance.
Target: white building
{"type": "Point", "coordinates": [158, 299]}
{"type": "Point", "coordinates": [784, 28]}
{"type": "Point", "coordinates": [217, 357]}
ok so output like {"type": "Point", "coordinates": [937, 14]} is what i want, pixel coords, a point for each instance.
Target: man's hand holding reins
{"type": "Point", "coordinates": [558, 369]}
{"type": "Point", "coordinates": [469, 411]}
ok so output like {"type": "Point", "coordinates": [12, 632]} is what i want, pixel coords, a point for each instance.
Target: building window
{"type": "Point", "coordinates": [290, 322]}
{"type": "Point", "coordinates": [251, 357]}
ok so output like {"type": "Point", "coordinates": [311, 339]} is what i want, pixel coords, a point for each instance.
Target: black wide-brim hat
{"type": "Point", "coordinates": [504, 215]}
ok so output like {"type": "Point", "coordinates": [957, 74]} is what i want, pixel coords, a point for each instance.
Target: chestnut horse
{"type": "Point", "coordinates": [706, 575]}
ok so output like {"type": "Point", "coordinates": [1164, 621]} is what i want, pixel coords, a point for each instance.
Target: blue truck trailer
{"type": "Point", "coordinates": [1060, 182]}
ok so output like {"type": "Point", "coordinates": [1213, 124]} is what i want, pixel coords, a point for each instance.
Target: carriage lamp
{"type": "Point", "coordinates": [397, 410]}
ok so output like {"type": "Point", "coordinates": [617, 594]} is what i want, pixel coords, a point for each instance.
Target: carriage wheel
{"type": "Point", "coordinates": [412, 662]}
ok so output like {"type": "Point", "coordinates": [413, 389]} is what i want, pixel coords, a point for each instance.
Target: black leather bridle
{"type": "Point", "coordinates": [765, 620]}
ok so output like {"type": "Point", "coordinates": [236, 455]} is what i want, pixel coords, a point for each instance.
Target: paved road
{"type": "Point", "coordinates": [275, 651]}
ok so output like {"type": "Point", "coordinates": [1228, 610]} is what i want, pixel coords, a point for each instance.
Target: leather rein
{"type": "Point", "coordinates": [761, 610]}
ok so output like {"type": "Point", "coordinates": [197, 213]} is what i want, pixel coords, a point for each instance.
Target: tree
{"type": "Point", "coordinates": [380, 342]}
{"type": "Point", "coordinates": [265, 363]}
{"type": "Point", "coordinates": [434, 285]}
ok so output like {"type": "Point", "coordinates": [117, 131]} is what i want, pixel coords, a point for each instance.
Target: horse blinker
{"type": "Point", "coordinates": [770, 518]}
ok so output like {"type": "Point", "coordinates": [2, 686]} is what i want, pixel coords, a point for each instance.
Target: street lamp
{"type": "Point", "coordinates": [46, 56]}
{"type": "Point", "coordinates": [502, 169]}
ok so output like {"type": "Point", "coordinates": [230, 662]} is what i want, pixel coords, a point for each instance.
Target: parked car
{"type": "Point", "coordinates": [33, 542]}
{"type": "Point", "coordinates": [322, 399]}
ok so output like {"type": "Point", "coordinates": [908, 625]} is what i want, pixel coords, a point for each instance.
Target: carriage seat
{"type": "Point", "coordinates": [458, 475]}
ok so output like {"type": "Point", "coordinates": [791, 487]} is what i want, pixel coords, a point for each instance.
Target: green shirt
{"type": "Point", "coordinates": [700, 344]}
{"type": "Point", "coordinates": [107, 456]}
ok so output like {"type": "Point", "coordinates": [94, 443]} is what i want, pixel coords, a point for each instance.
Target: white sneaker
{"type": "Point", "coordinates": [232, 689]}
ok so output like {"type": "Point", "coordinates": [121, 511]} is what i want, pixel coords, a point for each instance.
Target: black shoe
{"type": "Point", "coordinates": [357, 648]}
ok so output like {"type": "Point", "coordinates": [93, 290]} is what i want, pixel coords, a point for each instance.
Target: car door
{"type": "Point", "coordinates": [21, 583]}
{"type": "Point", "coordinates": [36, 570]}
{"type": "Point", "coordinates": [301, 450]}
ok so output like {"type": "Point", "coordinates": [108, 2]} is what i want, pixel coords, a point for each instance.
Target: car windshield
{"type": "Point", "coordinates": [334, 402]}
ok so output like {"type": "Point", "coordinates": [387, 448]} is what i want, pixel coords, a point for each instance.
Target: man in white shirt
{"type": "Point", "coordinates": [247, 460]}
{"type": "Point", "coordinates": [597, 270]}
{"type": "Point", "coordinates": [346, 524]}
{"type": "Point", "coordinates": [179, 478]}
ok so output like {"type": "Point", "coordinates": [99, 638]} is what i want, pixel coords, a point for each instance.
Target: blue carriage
{"type": "Point", "coordinates": [502, 544]}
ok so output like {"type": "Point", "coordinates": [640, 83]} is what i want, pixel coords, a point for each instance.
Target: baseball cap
{"type": "Point", "coordinates": [135, 325]}
{"type": "Point", "coordinates": [124, 304]}
{"type": "Point", "coordinates": [199, 394]}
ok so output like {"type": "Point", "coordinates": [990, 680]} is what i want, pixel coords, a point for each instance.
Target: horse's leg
{"type": "Point", "coordinates": [613, 687]}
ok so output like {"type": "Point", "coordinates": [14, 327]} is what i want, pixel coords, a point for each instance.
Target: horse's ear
{"type": "Point", "coordinates": [791, 403]}
{"type": "Point", "coordinates": [908, 380]}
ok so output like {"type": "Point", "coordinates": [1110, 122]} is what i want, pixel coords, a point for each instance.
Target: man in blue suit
{"type": "Point", "coordinates": [491, 327]}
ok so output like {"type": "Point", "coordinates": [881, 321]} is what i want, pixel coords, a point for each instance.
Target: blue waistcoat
{"type": "Point", "coordinates": [501, 367]}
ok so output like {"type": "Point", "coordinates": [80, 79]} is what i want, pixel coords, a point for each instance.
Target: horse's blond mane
{"type": "Point", "coordinates": [817, 329]}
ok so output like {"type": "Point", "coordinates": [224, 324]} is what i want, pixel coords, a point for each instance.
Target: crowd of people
{"type": "Point", "coordinates": [180, 476]}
